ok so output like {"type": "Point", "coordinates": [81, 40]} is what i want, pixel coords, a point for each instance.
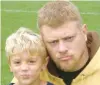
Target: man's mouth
{"type": "Point", "coordinates": [66, 58]}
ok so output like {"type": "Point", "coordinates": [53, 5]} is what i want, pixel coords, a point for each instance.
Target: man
{"type": "Point", "coordinates": [70, 47]}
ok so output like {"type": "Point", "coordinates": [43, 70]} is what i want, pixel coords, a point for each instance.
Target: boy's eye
{"type": "Point", "coordinates": [17, 62]}
{"type": "Point", "coordinates": [32, 61]}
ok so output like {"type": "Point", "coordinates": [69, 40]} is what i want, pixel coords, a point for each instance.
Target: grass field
{"type": "Point", "coordinates": [24, 13]}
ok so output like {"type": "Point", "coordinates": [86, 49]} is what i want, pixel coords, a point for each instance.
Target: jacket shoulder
{"type": "Point", "coordinates": [46, 76]}
{"type": "Point", "coordinates": [91, 74]}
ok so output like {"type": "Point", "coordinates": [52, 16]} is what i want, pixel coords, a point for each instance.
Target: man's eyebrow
{"type": "Point", "coordinates": [51, 39]}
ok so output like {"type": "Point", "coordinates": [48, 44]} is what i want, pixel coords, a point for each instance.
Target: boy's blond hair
{"type": "Point", "coordinates": [25, 39]}
{"type": "Point", "coordinates": [56, 13]}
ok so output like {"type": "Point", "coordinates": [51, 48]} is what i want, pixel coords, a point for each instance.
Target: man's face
{"type": "Point", "coordinates": [66, 45]}
{"type": "Point", "coordinates": [26, 68]}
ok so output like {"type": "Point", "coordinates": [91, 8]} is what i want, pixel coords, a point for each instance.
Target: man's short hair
{"type": "Point", "coordinates": [56, 13]}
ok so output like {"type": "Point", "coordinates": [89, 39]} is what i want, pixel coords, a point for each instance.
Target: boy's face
{"type": "Point", "coordinates": [26, 68]}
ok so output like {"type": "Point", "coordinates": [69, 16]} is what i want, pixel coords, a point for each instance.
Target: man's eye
{"type": "Point", "coordinates": [69, 38]}
{"type": "Point", "coordinates": [53, 42]}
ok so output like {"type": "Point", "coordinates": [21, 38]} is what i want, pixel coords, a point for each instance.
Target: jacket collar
{"type": "Point", "coordinates": [93, 43]}
{"type": "Point", "coordinates": [91, 68]}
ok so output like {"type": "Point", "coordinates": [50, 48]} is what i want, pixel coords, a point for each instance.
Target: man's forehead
{"type": "Point", "coordinates": [50, 37]}
{"type": "Point", "coordinates": [64, 31]}
{"type": "Point", "coordinates": [67, 25]}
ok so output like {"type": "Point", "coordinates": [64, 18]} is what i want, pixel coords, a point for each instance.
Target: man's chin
{"type": "Point", "coordinates": [64, 68]}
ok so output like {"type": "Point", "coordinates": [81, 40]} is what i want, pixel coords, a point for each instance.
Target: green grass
{"type": "Point", "coordinates": [11, 21]}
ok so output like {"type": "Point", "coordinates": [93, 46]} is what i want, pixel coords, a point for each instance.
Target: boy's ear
{"type": "Point", "coordinates": [46, 63]}
{"type": "Point", "coordinates": [9, 63]}
{"type": "Point", "coordinates": [10, 68]}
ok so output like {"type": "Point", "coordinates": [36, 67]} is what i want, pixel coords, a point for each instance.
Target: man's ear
{"type": "Point", "coordinates": [84, 29]}
{"type": "Point", "coordinates": [45, 63]}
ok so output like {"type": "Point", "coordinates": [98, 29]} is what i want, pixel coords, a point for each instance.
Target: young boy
{"type": "Point", "coordinates": [27, 57]}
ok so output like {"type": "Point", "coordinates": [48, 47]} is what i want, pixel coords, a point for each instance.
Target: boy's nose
{"type": "Point", "coordinates": [24, 67]}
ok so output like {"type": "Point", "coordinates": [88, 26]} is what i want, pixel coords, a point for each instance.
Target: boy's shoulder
{"type": "Point", "coordinates": [48, 83]}
{"type": "Point", "coordinates": [11, 83]}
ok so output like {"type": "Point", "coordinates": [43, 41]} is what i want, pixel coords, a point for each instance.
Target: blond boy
{"type": "Point", "coordinates": [27, 57]}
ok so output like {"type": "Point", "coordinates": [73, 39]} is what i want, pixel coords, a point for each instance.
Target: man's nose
{"type": "Point", "coordinates": [62, 47]}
